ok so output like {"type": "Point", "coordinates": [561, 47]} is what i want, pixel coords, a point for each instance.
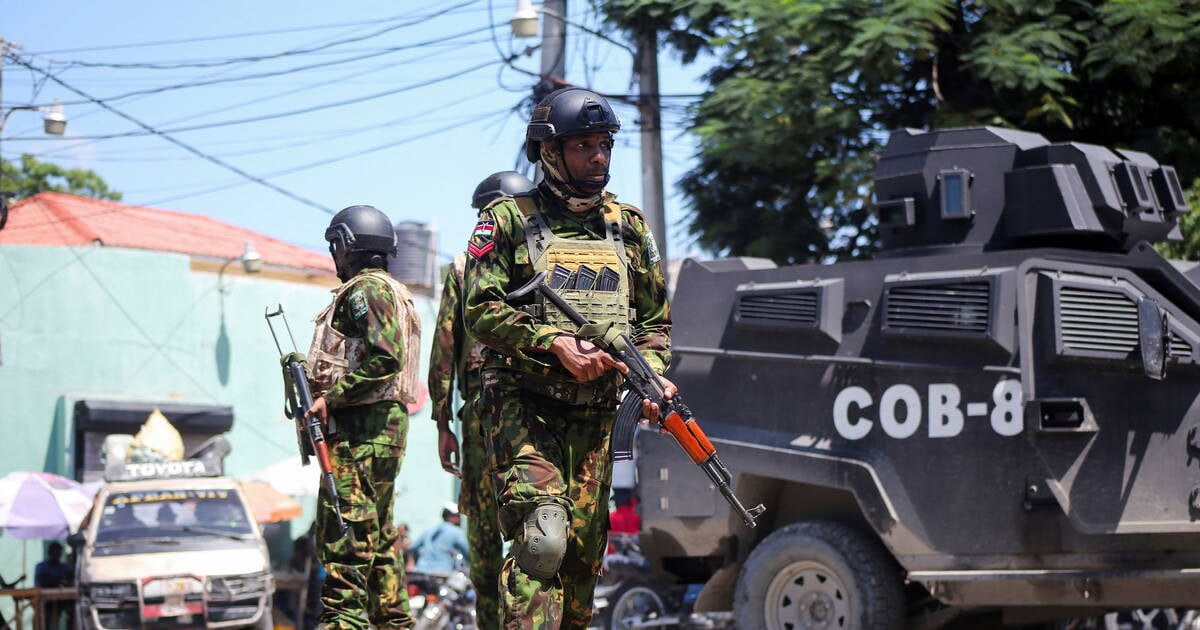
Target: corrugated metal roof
{"type": "Point", "coordinates": [57, 219]}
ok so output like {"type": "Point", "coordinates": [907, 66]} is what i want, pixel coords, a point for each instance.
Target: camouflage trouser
{"type": "Point", "coordinates": [549, 452]}
{"type": "Point", "coordinates": [477, 501]}
{"type": "Point", "coordinates": [365, 586]}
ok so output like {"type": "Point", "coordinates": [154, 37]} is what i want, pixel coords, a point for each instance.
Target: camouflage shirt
{"type": "Point", "coordinates": [368, 312]}
{"type": "Point", "coordinates": [499, 263]}
{"type": "Point", "coordinates": [455, 355]}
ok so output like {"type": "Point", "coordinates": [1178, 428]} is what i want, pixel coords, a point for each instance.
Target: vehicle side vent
{"type": "Point", "coordinates": [1093, 320]}
{"type": "Point", "coordinates": [961, 307]}
{"type": "Point", "coordinates": [803, 307]}
{"type": "Point", "coordinates": [1178, 347]}
{"type": "Point", "coordinates": [795, 308]}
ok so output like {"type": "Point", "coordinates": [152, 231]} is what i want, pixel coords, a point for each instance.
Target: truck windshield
{"type": "Point", "coordinates": [172, 514]}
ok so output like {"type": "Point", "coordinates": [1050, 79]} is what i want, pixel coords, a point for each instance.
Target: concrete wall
{"type": "Point", "coordinates": [108, 323]}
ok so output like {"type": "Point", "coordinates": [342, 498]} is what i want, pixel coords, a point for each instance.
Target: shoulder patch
{"type": "Point", "coordinates": [482, 238]}
{"type": "Point", "coordinates": [651, 246]}
{"type": "Point", "coordinates": [358, 304]}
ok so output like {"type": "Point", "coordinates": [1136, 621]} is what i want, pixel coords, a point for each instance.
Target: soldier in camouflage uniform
{"type": "Point", "coordinates": [551, 396]}
{"type": "Point", "coordinates": [457, 357]}
{"type": "Point", "coordinates": [363, 368]}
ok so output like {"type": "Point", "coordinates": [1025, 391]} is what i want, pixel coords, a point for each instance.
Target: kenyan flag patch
{"type": "Point", "coordinates": [482, 239]}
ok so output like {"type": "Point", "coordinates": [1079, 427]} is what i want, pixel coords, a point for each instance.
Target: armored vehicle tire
{"type": "Point", "coordinates": [819, 575]}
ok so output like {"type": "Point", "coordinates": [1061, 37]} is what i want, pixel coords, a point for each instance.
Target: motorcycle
{"type": "Point", "coordinates": [442, 602]}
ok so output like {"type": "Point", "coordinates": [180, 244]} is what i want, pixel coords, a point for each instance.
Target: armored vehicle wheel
{"type": "Point", "coordinates": [819, 575]}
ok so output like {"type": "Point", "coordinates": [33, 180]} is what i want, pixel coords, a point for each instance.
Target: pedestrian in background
{"type": "Point", "coordinates": [442, 548]}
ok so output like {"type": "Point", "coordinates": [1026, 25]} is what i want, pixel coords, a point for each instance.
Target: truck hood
{"type": "Point", "coordinates": [207, 562]}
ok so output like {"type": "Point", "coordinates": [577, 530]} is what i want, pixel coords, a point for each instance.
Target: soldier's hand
{"type": "Point", "coordinates": [448, 451]}
{"type": "Point", "coordinates": [650, 410]}
{"type": "Point", "coordinates": [583, 359]}
{"type": "Point", "coordinates": [320, 409]}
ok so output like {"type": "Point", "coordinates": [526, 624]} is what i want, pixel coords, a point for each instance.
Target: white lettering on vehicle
{"type": "Point", "coordinates": [901, 410]}
{"type": "Point", "coordinates": [150, 470]}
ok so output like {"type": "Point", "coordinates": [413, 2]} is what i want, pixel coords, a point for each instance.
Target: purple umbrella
{"type": "Point", "coordinates": [41, 505]}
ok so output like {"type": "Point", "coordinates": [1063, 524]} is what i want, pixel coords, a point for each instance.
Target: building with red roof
{"type": "Point", "coordinates": [61, 220]}
{"type": "Point", "coordinates": [109, 311]}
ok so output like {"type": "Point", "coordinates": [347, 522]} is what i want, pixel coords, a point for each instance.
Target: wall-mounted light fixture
{"type": "Point", "coordinates": [251, 263]}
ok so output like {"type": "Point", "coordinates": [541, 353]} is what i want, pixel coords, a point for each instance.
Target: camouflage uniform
{"type": "Point", "coordinates": [456, 355]}
{"type": "Point", "coordinates": [366, 585]}
{"type": "Point", "coordinates": [545, 449]}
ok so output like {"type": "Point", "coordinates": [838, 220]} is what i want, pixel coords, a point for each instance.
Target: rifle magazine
{"type": "Point", "coordinates": [629, 415]}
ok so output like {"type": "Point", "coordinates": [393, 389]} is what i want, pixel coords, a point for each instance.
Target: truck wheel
{"type": "Point", "coordinates": [819, 575]}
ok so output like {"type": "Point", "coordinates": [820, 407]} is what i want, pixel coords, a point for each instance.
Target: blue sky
{"type": "Point", "coordinates": [402, 105]}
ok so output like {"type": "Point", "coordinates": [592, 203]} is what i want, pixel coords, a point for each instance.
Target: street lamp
{"type": "Point", "coordinates": [54, 122]}
{"type": "Point", "coordinates": [524, 22]}
{"type": "Point", "coordinates": [251, 263]}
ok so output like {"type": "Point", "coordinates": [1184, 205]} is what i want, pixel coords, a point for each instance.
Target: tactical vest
{"type": "Point", "coordinates": [470, 355]}
{"type": "Point", "coordinates": [333, 354]}
{"type": "Point", "coordinates": [592, 275]}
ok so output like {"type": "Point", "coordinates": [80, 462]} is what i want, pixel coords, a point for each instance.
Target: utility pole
{"type": "Point", "coordinates": [554, 47]}
{"type": "Point", "coordinates": [651, 132]}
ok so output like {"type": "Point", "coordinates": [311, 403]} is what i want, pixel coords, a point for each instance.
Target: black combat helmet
{"type": "Point", "coordinates": [566, 112]}
{"type": "Point", "coordinates": [361, 229]}
{"type": "Point", "coordinates": [501, 184]}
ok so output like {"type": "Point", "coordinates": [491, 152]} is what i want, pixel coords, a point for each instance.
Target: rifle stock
{"type": "Point", "coordinates": [310, 436]}
{"type": "Point", "coordinates": [643, 383]}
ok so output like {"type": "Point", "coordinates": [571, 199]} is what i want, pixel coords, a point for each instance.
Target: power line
{"type": "Point", "coordinates": [258, 58]}
{"type": "Point", "coordinates": [361, 99]}
{"type": "Point", "coordinates": [211, 38]}
{"type": "Point", "coordinates": [183, 145]}
{"type": "Point", "coordinates": [274, 73]}
{"type": "Point", "coordinates": [331, 160]}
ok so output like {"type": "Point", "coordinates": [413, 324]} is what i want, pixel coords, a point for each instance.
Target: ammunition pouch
{"type": "Point", "coordinates": [565, 391]}
{"type": "Point", "coordinates": [538, 312]}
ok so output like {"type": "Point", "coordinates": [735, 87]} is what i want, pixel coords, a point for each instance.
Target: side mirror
{"type": "Point", "coordinates": [1152, 338]}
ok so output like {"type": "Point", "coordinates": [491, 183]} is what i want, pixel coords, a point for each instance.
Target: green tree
{"type": "Point", "coordinates": [1189, 224]}
{"type": "Point", "coordinates": [803, 94]}
{"type": "Point", "coordinates": [31, 176]}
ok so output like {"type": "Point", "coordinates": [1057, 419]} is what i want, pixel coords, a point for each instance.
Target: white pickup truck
{"type": "Point", "coordinates": [178, 549]}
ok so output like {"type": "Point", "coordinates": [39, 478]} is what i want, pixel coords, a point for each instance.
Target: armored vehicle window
{"type": "Point", "coordinates": [951, 307]}
{"type": "Point", "coordinates": [956, 194]}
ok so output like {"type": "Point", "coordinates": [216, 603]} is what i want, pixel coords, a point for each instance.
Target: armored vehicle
{"type": "Point", "coordinates": [998, 414]}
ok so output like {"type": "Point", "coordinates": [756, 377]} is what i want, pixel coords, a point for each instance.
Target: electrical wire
{"type": "Point", "coordinates": [314, 138]}
{"type": "Point", "coordinates": [211, 38]}
{"type": "Point", "coordinates": [258, 58]}
{"type": "Point", "coordinates": [183, 145]}
{"type": "Point", "coordinates": [147, 130]}
{"type": "Point", "coordinates": [274, 73]}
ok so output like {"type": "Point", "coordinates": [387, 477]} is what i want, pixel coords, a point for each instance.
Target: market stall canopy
{"type": "Point", "coordinates": [290, 477]}
{"type": "Point", "coordinates": [42, 505]}
{"type": "Point", "coordinates": [268, 504]}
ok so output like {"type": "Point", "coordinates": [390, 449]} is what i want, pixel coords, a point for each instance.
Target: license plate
{"type": "Point", "coordinates": [177, 596]}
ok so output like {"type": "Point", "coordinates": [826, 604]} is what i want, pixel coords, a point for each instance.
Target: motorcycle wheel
{"type": "Point", "coordinates": [630, 603]}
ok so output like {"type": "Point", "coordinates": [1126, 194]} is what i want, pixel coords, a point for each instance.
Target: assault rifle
{"type": "Point", "coordinates": [642, 383]}
{"type": "Point", "coordinates": [297, 398]}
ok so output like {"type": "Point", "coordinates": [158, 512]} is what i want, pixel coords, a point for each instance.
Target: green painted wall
{"type": "Point", "coordinates": [108, 323]}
